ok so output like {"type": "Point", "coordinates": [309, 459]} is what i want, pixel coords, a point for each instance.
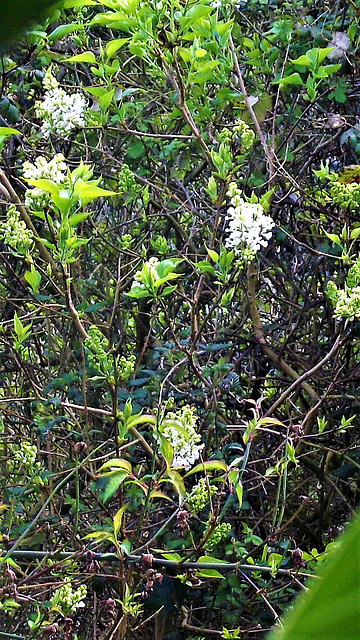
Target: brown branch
{"type": "Point", "coordinates": [13, 197]}
{"type": "Point", "coordinates": [259, 335]}
{"type": "Point", "coordinates": [307, 374]}
{"type": "Point", "coordinates": [268, 152]}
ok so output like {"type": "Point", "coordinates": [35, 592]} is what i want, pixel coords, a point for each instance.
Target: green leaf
{"type": "Point", "coordinates": [294, 78]}
{"type": "Point", "coordinates": [168, 290]}
{"type": "Point", "coordinates": [115, 463]}
{"type": "Point", "coordinates": [209, 573]}
{"type": "Point", "coordinates": [114, 482]}
{"type": "Point", "coordinates": [45, 185]}
{"type": "Point", "coordinates": [76, 218]}
{"type": "Point", "coordinates": [140, 419]}
{"type": "Point", "coordinates": [136, 150]}
{"type": "Point", "coordinates": [333, 237]}
{"type": "Point", "coordinates": [118, 519]}
{"type": "Point", "coordinates": [86, 190]}
{"type": "Point", "coordinates": [18, 326]}
{"type": "Point", "coordinates": [159, 494]}
{"type": "Point", "coordinates": [239, 492]}
{"type": "Point", "coordinates": [213, 255]}
{"type": "Point", "coordinates": [172, 556]}
{"type": "Point", "coordinates": [86, 56]}
{"type": "Point", "coordinates": [166, 450]}
{"type": "Point", "coordinates": [209, 465]}
{"type": "Point", "coordinates": [317, 56]}
{"type": "Point", "coordinates": [113, 46]}
{"type": "Point", "coordinates": [205, 267]}
{"type": "Point", "coordinates": [63, 30]}
{"type": "Point", "coordinates": [165, 267]}
{"type": "Point", "coordinates": [330, 608]}
{"type": "Point", "coordinates": [176, 480]}
{"type": "Point", "coordinates": [72, 4]}
{"type": "Point", "coordinates": [33, 277]}
{"type": "Point", "coordinates": [9, 131]}
{"type": "Point", "coordinates": [138, 292]}
{"type": "Point", "coordinates": [355, 233]}
{"type": "Point", "coordinates": [47, 244]}
{"type": "Point", "coordinates": [211, 559]}
{"type": "Point", "coordinates": [302, 61]}
{"type": "Point", "coordinates": [169, 276]}
{"type": "Point", "coordinates": [329, 69]}
{"type": "Point", "coordinates": [235, 480]}
{"type": "Point", "coordinates": [186, 54]}
{"type": "Point", "coordinates": [106, 99]}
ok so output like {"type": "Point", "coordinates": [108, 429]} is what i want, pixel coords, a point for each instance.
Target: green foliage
{"type": "Point", "coordinates": [179, 317]}
{"type": "Point", "coordinates": [330, 607]}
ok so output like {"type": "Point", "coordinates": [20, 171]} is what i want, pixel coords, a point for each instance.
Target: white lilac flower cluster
{"type": "Point", "coordinates": [182, 435]}
{"type": "Point", "coordinates": [15, 233]}
{"type": "Point", "coordinates": [68, 599]}
{"type": "Point", "coordinates": [61, 112]}
{"type": "Point", "coordinates": [249, 228]}
{"type": "Point", "coordinates": [54, 169]}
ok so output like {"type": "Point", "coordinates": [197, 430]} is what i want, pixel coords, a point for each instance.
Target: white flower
{"type": "Point", "coordinates": [61, 112]}
{"type": "Point", "coordinates": [15, 233]}
{"type": "Point", "coordinates": [183, 437]}
{"type": "Point", "coordinates": [248, 225]}
{"type": "Point", "coordinates": [54, 169]}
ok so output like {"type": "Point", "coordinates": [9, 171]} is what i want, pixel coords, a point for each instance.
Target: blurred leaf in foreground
{"type": "Point", "coordinates": [330, 609]}
{"type": "Point", "coordinates": [17, 15]}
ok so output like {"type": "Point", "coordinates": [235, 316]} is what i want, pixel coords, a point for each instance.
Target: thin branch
{"type": "Point", "coordinates": [259, 334]}
{"type": "Point", "coordinates": [307, 374]}
{"type": "Point", "coordinates": [222, 567]}
{"type": "Point", "coordinates": [268, 152]}
{"type": "Point", "coordinates": [13, 197]}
